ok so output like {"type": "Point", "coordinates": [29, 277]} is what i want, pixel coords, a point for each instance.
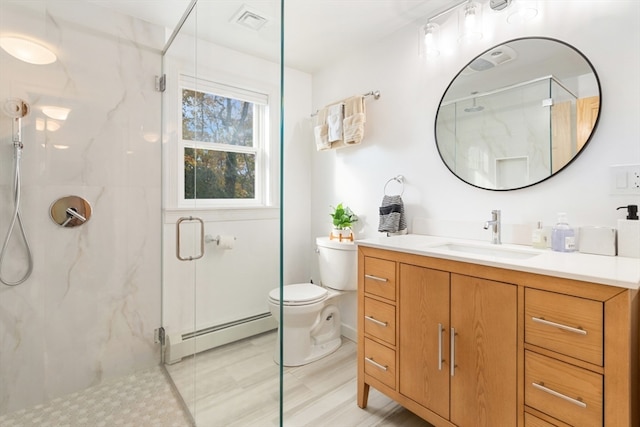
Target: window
{"type": "Point", "coordinates": [223, 144]}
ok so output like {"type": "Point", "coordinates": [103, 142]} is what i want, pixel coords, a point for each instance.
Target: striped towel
{"type": "Point", "coordinates": [392, 218]}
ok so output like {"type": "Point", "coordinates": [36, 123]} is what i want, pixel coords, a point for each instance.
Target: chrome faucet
{"type": "Point", "coordinates": [495, 227]}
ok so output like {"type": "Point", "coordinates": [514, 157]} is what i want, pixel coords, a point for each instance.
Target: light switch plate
{"type": "Point", "coordinates": [625, 179]}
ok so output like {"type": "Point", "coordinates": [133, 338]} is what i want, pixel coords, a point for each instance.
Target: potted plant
{"type": "Point", "coordinates": [342, 218]}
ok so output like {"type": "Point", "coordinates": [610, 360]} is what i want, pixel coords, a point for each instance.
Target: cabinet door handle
{"type": "Point", "coordinates": [559, 325]}
{"type": "Point", "coordinates": [376, 321]}
{"type": "Point", "coordinates": [452, 356]}
{"type": "Point", "coordinates": [541, 386]}
{"type": "Point", "coordinates": [376, 364]}
{"type": "Point", "coordinates": [439, 346]}
{"type": "Point", "coordinates": [376, 278]}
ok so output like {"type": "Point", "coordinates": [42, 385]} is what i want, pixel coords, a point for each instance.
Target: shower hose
{"type": "Point", "coordinates": [16, 219]}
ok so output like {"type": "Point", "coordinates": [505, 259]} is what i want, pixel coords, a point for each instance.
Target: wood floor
{"type": "Point", "coordinates": [238, 386]}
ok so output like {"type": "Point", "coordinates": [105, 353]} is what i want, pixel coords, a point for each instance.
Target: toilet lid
{"type": "Point", "coordinates": [299, 294]}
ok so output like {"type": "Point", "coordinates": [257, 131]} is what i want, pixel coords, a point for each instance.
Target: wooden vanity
{"type": "Point", "coordinates": [466, 344]}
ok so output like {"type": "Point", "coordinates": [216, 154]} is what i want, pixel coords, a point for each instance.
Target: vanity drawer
{"type": "Point", "coordinates": [380, 320]}
{"type": "Point", "coordinates": [380, 362]}
{"type": "Point", "coordinates": [380, 277]}
{"type": "Point", "coordinates": [566, 392]}
{"type": "Point", "coordinates": [569, 325]}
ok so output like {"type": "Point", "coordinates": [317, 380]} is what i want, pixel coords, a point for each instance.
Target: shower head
{"type": "Point", "coordinates": [474, 108]}
{"type": "Point", "coordinates": [16, 108]}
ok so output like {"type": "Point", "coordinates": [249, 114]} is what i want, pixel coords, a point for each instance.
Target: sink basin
{"type": "Point", "coordinates": [493, 251]}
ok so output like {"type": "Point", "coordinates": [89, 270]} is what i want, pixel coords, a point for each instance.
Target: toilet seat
{"type": "Point", "coordinates": [299, 294]}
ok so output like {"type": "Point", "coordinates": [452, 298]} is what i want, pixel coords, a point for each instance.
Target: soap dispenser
{"type": "Point", "coordinates": [563, 237]}
{"type": "Point", "coordinates": [629, 233]}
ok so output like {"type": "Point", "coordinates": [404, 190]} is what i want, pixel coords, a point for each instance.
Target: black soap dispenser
{"type": "Point", "coordinates": [629, 233]}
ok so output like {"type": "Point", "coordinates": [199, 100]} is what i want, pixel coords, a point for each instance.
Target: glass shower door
{"type": "Point", "coordinates": [221, 216]}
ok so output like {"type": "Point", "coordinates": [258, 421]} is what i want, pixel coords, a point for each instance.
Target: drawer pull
{"type": "Point", "coordinates": [376, 364]}
{"type": "Point", "coordinates": [376, 278]}
{"type": "Point", "coordinates": [559, 325]}
{"type": "Point", "coordinates": [376, 321]}
{"type": "Point", "coordinates": [560, 395]}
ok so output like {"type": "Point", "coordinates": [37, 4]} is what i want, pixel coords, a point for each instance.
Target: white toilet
{"type": "Point", "coordinates": [311, 316]}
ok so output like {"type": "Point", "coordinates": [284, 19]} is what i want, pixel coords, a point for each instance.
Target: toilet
{"type": "Point", "coordinates": [311, 316]}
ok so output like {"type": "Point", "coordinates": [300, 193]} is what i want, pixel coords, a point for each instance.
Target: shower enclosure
{"type": "Point", "coordinates": [145, 280]}
{"type": "Point", "coordinates": [517, 134]}
{"type": "Point", "coordinates": [221, 214]}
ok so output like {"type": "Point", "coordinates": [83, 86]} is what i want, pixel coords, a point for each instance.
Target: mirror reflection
{"type": "Point", "coordinates": [518, 113]}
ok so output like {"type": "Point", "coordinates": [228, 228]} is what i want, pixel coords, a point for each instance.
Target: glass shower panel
{"type": "Point", "coordinates": [221, 122]}
{"type": "Point", "coordinates": [179, 228]}
{"type": "Point", "coordinates": [87, 313]}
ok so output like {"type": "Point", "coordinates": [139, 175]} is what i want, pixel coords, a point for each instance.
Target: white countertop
{"type": "Point", "coordinates": [607, 270]}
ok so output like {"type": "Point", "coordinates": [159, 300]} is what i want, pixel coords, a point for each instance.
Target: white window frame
{"type": "Point", "coordinates": [261, 147]}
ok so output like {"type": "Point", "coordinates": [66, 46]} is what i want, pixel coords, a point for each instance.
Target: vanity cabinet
{"type": "Point", "coordinates": [457, 345]}
{"type": "Point", "coordinates": [463, 344]}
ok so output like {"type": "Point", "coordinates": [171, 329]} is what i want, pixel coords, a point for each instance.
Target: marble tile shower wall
{"type": "Point", "coordinates": [88, 311]}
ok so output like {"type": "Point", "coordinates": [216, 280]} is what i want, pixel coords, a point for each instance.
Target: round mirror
{"type": "Point", "coordinates": [518, 113]}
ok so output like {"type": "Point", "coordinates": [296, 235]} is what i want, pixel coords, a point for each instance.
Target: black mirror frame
{"type": "Point", "coordinates": [595, 74]}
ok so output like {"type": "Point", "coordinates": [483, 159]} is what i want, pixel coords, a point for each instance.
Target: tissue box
{"type": "Point", "coordinates": [597, 240]}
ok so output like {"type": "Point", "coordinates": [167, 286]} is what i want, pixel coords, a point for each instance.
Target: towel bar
{"type": "Point", "coordinates": [374, 93]}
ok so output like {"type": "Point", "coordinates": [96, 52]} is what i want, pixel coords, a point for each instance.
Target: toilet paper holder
{"type": "Point", "coordinates": [210, 239]}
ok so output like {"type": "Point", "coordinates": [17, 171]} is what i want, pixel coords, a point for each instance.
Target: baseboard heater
{"type": "Point", "coordinates": [177, 346]}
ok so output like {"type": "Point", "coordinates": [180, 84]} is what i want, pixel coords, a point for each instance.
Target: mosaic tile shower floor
{"type": "Point", "coordinates": [144, 399]}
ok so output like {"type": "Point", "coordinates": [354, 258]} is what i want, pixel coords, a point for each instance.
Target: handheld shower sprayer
{"type": "Point", "coordinates": [16, 109]}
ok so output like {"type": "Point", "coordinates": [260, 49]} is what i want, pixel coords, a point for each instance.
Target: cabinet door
{"type": "Point", "coordinates": [424, 337]}
{"type": "Point", "coordinates": [483, 383]}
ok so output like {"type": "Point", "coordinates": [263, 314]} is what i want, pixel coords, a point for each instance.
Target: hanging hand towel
{"type": "Point", "coordinates": [321, 131]}
{"type": "Point", "coordinates": [354, 120]}
{"type": "Point", "coordinates": [392, 219]}
{"type": "Point", "coordinates": [334, 122]}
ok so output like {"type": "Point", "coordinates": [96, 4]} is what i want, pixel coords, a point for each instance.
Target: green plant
{"type": "Point", "coordinates": [343, 217]}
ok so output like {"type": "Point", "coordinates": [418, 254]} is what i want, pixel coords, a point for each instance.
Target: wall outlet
{"type": "Point", "coordinates": [625, 179]}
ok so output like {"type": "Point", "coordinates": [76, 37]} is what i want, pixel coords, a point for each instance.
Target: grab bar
{"type": "Point", "coordinates": [190, 258]}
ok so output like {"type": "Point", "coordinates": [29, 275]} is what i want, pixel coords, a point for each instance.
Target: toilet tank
{"type": "Point", "coordinates": [338, 262]}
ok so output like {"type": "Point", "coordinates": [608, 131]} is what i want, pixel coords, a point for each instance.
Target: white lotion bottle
{"type": "Point", "coordinates": [629, 233]}
{"type": "Point", "coordinates": [539, 237]}
{"type": "Point", "coordinates": [563, 237]}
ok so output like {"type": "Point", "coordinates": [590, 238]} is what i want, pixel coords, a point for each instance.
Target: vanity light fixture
{"type": "Point", "coordinates": [522, 10]}
{"type": "Point", "coordinates": [27, 50]}
{"type": "Point", "coordinates": [470, 22]}
{"type": "Point", "coordinates": [470, 26]}
{"type": "Point", "coordinates": [431, 33]}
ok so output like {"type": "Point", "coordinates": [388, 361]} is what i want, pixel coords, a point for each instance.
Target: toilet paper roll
{"type": "Point", "coordinates": [226, 242]}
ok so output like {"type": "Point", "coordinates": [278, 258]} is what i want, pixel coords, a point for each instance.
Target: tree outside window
{"type": "Point", "coordinates": [221, 139]}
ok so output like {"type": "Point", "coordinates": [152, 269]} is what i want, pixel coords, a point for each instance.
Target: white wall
{"type": "Point", "coordinates": [400, 139]}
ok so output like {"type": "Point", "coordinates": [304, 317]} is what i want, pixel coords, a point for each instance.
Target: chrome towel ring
{"type": "Point", "coordinates": [399, 179]}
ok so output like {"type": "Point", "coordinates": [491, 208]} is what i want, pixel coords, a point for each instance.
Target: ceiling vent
{"type": "Point", "coordinates": [249, 18]}
{"type": "Point", "coordinates": [493, 58]}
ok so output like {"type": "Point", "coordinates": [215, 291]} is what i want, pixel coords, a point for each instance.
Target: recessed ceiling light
{"type": "Point", "coordinates": [27, 50]}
